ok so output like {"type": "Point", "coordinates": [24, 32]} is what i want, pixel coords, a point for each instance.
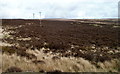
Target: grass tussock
{"type": "Point", "coordinates": [21, 52]}
{"type": "Point", "coordinates": [45, 62]}
{"type": "Point", "coordinates": [17, 61]}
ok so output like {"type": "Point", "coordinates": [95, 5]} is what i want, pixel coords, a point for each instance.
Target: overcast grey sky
{"type": "Point", "coordinates": [70, 9]}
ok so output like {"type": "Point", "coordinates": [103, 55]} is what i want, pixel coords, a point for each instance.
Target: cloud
{"type": "Point", "coordinates": [59, 8]}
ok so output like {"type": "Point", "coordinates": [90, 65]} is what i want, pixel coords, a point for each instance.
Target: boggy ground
{"type": "Point", "coordinates": [94, 41]}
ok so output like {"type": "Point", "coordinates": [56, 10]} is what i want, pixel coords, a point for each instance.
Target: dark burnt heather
{"type": "Point", "coordinates": [78, 36]}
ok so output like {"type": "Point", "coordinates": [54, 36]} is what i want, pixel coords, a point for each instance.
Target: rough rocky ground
{"type": "Point", "coordinates": [93, 41]}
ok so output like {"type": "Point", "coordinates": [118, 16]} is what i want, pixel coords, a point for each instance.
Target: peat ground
{"type": "Point", "coordinates": [94, 40]}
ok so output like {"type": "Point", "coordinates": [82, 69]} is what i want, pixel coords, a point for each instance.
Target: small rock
{"type": "Point", "coordinates": [42, 71]}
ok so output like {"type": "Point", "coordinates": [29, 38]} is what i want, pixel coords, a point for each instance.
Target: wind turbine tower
{"type": "Point", "coordinates": [40, 17]}
{"type": "Point", "coordinates": [33, 15]}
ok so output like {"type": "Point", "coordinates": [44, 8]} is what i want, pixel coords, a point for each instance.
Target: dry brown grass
{"type": "Point", "coordinates": [17, 61]}
{"type": "Point", "coordinates": [63, 64]}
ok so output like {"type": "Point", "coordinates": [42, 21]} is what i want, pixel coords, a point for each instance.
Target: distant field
{"type": "Point", "coordinates": [65, 45]}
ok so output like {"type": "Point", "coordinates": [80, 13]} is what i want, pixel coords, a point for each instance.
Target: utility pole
{"type": "Point", "coordinates": [40, 17]}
